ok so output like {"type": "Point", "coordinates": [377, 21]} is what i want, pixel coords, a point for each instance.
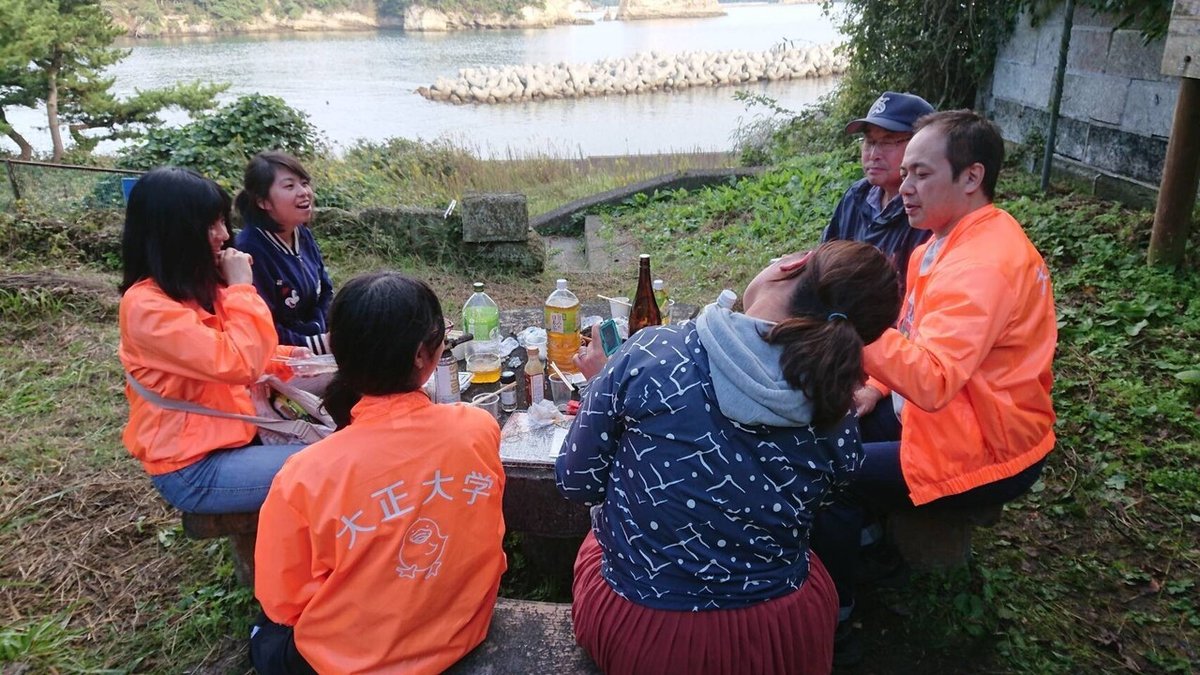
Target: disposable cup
{"type": "Point", "coordinates": [489, 402]}
{"type": "Point", "coordinates": [619, 307]}
{"type": "Point", "coordinates": [560, 391]}
{"type": "Point", "coordinates": [484, 367]}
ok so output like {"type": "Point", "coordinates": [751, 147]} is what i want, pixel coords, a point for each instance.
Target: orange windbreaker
{"type": "Point", "coordinates": [971, 355]}
{"type": "Point", "coordinates": [182, 351]}
{"type": "Point", "coordinates": [381, 544]}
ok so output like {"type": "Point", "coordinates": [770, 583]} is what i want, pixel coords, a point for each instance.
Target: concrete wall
{"type": "Point", "coordinates": [1116, 107]}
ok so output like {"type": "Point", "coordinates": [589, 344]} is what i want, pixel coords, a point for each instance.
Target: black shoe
{"type": "Point", "coordinates": [847, 645]}
{"type": "Point", "coordinates": [882, 565]}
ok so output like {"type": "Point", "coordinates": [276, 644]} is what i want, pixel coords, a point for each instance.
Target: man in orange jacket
{"type": "Point", "coordinates": [968, 364]}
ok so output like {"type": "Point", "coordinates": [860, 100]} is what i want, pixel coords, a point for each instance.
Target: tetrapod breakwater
{"type": "Point", "coordinates": [640, 73]}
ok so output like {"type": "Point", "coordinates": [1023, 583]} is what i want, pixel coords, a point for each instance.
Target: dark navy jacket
{"type": "Point", "coordinates": [696, 510]}
{"type": "Point", "coordinates": [854, 220]}
{"type": "Point", "coordinates": [294, 284]}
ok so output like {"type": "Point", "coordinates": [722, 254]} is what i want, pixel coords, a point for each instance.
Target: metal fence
{"type": "Point", "coordinates": [63, 187]}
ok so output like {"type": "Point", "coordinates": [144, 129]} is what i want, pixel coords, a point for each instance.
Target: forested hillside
{"type": "Point", "coordinates": [149, 18]}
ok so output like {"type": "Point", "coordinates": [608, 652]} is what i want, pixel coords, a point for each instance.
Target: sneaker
{"type": "Point", "coordinates": [847, 645]}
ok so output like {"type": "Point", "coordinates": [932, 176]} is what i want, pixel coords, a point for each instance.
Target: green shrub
{"type": "Point", "coordinates": [220, 144]}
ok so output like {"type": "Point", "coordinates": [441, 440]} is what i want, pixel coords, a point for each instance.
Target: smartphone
{"type": "Point", "coordinates": [610, 339]}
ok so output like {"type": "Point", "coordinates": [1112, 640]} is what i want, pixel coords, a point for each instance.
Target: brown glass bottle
{"type": "Point", "coordinates": [645, 310]}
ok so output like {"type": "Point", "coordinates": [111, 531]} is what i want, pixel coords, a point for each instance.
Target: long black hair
{"type": "Point", "coordinates": [377, 323]}
{"type": "Point", "coordinates": [848, 293]}
{"type": "Point", "coordinates": [257, 182]}
{"type": "Point", "coordinates": [166, 229]}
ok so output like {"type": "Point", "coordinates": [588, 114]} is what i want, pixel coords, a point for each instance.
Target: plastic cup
{"type": "Point", "coordinates": [560, 391]}
{"type": "Point", "coordinates": [489, 402]}
{"type": "Point", "coordinates": [539, 341]}
{"type": "Point", "coordinates": [619, 307]}
{"type": "Point", "coordinates": [484, 367]}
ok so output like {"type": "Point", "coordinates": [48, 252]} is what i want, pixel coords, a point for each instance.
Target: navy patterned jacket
{"type": "Point", "coordinates": [696, 510]}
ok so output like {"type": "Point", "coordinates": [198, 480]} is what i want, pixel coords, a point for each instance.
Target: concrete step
{"type": "Point", "coordinates": [608, 250]}
{"type": "Point", "coordinates": [565, 254]}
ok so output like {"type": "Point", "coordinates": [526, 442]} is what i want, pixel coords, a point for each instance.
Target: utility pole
{"type": "Point", "coordinates": [1181, 171]}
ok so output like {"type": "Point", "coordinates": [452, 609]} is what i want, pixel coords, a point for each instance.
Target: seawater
{"type": "Point", "coordinates": [362, 85]}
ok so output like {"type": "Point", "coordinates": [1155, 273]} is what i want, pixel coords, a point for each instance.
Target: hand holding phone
{"type": "Point", "coordinates": [610, 339]}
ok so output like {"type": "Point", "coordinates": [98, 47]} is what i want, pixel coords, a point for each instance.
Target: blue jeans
{"type": "Point", "coordinates": [878, 488]}
{"type": "Point", "coordinates": [225, 481]}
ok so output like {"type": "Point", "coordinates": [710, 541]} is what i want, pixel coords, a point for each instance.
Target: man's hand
{"type": "Point", "coordinates": [590, 358]}
{"type": "Point", "coordinates": [865, 399]}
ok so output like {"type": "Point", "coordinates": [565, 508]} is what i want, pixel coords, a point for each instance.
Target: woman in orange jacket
{"type": "Point", "coordinates": [194, 329]}
{"type": "Point", "coordinates": [379, 548]}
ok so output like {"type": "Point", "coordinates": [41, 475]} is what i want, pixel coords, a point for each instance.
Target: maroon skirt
{"type": "Point", "coordinates": [788, 634]}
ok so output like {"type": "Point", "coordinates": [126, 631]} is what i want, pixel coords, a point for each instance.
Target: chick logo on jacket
{"type": "Point", "coordinates": [422, 549]}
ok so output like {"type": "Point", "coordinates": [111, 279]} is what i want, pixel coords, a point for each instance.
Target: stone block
{"type": "Point", "coordinates": [1029, 85]}
{"type": "Point", "coordinates": [1125, 154]}
{"type": "Point", "coordinates": [1049, 41]}
{"type": "Point", "coordinates": [1017, 121]}
{"type": "Point", "coordinates": [1093, 97]}
{"type": "Point", "coordinates": [524, 257]}
{"type": "Point", "coordinates": [527, 636]}
{"type": "Point", "coordinates": [494, 217]}
{"type": "Point", "coordinates": [1085, 16]}
{"type": "Point", "coordinates": [1150, 107]}
{"type": "Point", "coordinates": [1128, 56]}
{"type": "Point", "coordinates": [1072, 138]}
{"type": "Point", "coordinates": [1089, 50]}
{"type": "Point", "coordinates": [1022, 46]}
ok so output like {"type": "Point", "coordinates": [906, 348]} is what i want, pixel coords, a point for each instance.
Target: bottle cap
{"type": "Point", "coordinates": [726, 299]}
{"type": "Point", "coordinates": [508, 377]}
{"type": "Point", "coordinates": [478, 286]}
{"type": "Point", "coordinates": [644, 256]}
{"type": "Point", "coordinates": [658, 284]}
{"type": "Point", "coordinates": [561, 284]}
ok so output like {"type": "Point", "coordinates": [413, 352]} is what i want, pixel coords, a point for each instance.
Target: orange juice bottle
{"type": "Point", "coordinates": [562, 327]}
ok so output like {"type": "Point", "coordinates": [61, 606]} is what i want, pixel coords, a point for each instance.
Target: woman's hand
{"type": "Point", "coordinates": [590, 358]}
{"type": "Point", "coordinates": [866, 398]}
{"type": "Point", "coordinates": [235, 266]}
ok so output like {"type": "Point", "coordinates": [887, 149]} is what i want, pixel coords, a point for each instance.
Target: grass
{"type": "Point", "coordinates": [1096, 570]}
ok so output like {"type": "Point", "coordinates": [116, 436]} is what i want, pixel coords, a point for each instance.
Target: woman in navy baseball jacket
{"type": "Point", "coordinates": [276, 203]}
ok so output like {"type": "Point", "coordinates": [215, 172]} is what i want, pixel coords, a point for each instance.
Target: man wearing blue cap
{"type": "Point", "coordinates": [871, 210]}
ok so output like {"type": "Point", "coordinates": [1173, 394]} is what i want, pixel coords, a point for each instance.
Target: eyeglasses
{"type": "Point", "coordinates": [884, 145]}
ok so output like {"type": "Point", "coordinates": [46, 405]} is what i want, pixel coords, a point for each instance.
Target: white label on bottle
{"type": "Point", "coordinates": [557, 320]}
{"type": "Point", "coordinates": [443, 388]}
{"type": "Point", "coordinates": [537, 389]}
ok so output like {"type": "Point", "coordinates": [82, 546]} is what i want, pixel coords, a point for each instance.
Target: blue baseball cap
{"type": "Point", "coordinates": [892, 111]}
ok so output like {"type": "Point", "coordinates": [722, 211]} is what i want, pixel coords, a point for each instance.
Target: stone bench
{"type": "Point", "coordinates": [938, 539]}
{"type": "Point", "coordinates": [241, 528]}
{"type": "Point", "coordinates": [527, 636]}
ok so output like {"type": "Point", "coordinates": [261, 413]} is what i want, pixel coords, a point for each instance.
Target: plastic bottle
{"type": "Point", "coordinates": [645, 311]}
{"type": "Point", "coordinates": [535, 378]}
{"type": "Point", "coordinates": [726, 299]}
{"type": "Point", "coordinates": [481, 318]}
{"type": "Point", "coordinates": [663, 299]}
{"type": "Point", "coordinates": [562, 327]}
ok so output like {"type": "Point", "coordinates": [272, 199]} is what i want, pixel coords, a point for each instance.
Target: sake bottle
{"type": "Point", "coordinates": [645, 311]}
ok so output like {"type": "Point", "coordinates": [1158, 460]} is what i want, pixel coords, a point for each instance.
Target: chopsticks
{"type": "Point", "coordinates": [616, 300]}
{"type": "Point", "coordinates": [558, 371]}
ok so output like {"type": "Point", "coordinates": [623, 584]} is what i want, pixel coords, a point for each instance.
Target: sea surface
{"type": "Point", "coordinates": [361, 85]}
